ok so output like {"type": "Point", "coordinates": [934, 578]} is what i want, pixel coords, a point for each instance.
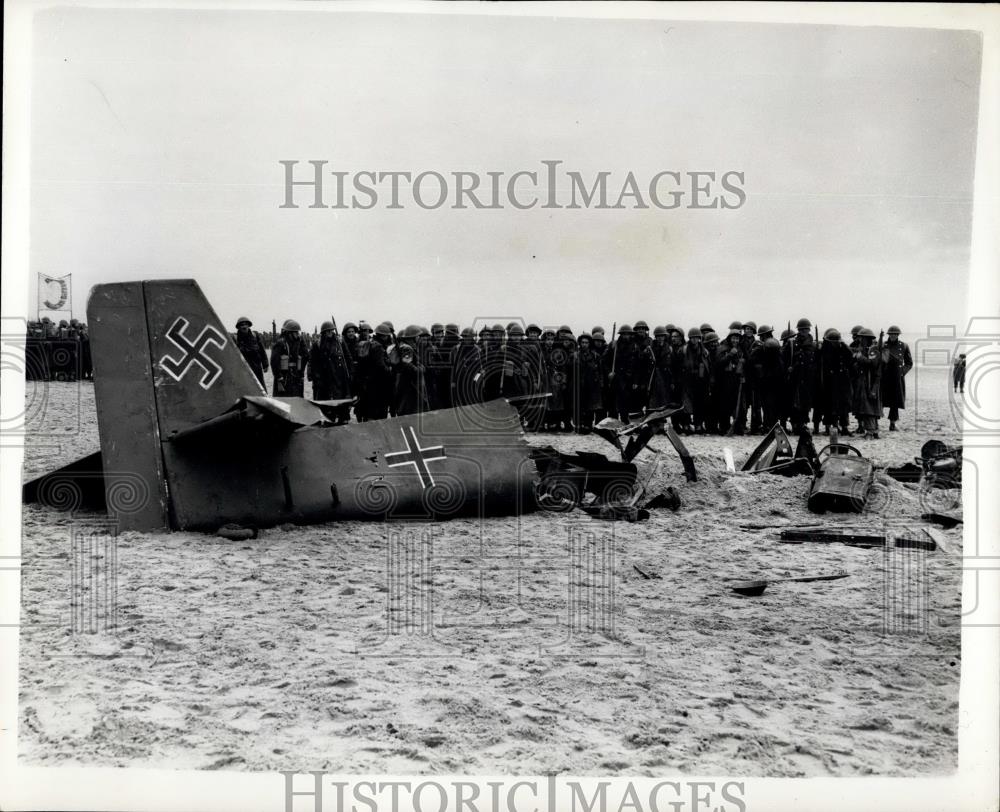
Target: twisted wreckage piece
{"type": "Point", "coordinates": [842, 477]}
{"type": "Point", "coordinates": [190, 441]}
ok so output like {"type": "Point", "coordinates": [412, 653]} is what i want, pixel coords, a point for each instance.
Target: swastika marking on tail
{"type": "Point", "coordinates": [193, 352]}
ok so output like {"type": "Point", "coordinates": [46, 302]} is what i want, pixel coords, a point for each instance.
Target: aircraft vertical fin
{"type": "Point", "coordinates": [134, 485]}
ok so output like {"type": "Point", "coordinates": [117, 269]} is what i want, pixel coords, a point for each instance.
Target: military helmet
{"type": "Point", "coordinates": [565, 329]}
{"type": "Point", "coordinates": [437, 326]}
{"type": "Point", "coordinates": [659, 331]}
{"type": "Point", "coordinates": [894, 330]}
{"type": "Point", "coordinates": [584, 335]}
{"type": "Point", "coordinates": [74, 322]}
{"type": "Point", "coordinates": [706, 328]}
{"type": "Point", "coordinates": [451, 329]}
{"type": "Point", "coordinates": [751, 324]}
{"type": "Point", "coordinates": [803, 324]}
{"type": "Point", "coordinates": [290, 326]}
{"type": "Point", "coordinates": [533, 328]}
{"type": "Point", "coordinates": [670, 328]}
{"type": "Point", "coordinates": [410, 331]}
{"type": "Point", "coordinates": [735, 325]}
{"type": "Point", "coordinates": [866, 333]}
{"type": "Point", "coordinates": [711, 337]}
{"type": "Point", "coordinates": [244, 320]}
{"type": "Point", "coordinates": [363, 325]}
{"type": "Point", "coordinates": [484, 331]}
{"type": "Point", "coordinates": [772, 343]}
{"type": "Point", "coordinates": [833, 334]}
{"type": "Point", "coordinates": [515, 329]}
{"type": "Point", "coordinates": [389, 324]}
{"type": "Point", "coordinates": [382, 329]}
{"type": "Point", "coordinates": [423, 331]}
{"type": "Point", "coordinates": [468, 332]}
{"type": "Point", "coordinates": [764, 329]}
{"type": "Point", "coordinates": [625, 330]}
{"type": "Point", "coordinates": [63, 323]}
{"type": "Point", "coordinates": [326, 325]}
{"type": "Point", "coordinates": [497, 328]}
{"type": "Point", "coordinates": [694, 332]}
{"type": "Point", "coordinates": [548, 332]}
{"type": "Point", "coordinates": [597, 330]}
{"type": "Point", "coordinates": [787, 334]}
{"type": "Point", "coordinates": [857, 328]}
{"type": "Point", "coordinates": [641, 324]}
{"type": "Point", "coordinates": [350, 326]}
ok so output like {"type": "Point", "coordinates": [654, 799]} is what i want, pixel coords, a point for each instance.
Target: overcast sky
{"type": "Point", "coordinates": [157, 137]}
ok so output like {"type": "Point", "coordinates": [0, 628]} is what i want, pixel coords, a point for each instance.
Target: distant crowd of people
{"type": "Point", "coordinates": [743, 381]}
{"type": "Point", "coordinates": [57, 351]}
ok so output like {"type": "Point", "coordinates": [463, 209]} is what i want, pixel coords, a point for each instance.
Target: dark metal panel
{"type": "Point", "coordinates": [467, 461]}
{"type": "Point", "coordinates": [126, 412]}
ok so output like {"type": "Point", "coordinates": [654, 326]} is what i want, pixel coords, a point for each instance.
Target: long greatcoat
{"type": "Point", "coordinates": [896, 362]}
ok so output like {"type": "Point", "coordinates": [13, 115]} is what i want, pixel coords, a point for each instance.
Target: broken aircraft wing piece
{"type": "Point", "coordinates": [774, 455]}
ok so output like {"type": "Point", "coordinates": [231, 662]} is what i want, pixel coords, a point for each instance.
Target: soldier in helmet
{"type": "Point", "coordinates": [437, 333]}
{"type": "Point", "coordinates": [749, 399]}
{"type": "Point", "coordinates": [587, 384]}
{"type": "Point", "coordinates": [559, 368]}
{"type": "Point", "coordinates": [466, 370]}
{"type": "Point", "coordinates": [251, 347]}
{"type": "Point", "coordinates": [697, 371]}
{"type": "Point", "coordinates": [867, 394]}
{"type": "Point", "coordinates": [351, 337]}
{"type": "Point", "coordinates": [364, 331]}
{"type": "Point", "coordinates": [644, 365]}
{"type": "Point", "coordinates": [711, 340]}
{"type": "Point", "coordinates": [896, 363]}
{"type": "Point", "coordinates": [799, 359]}
{"type": "Point", "coordinates": [727, 374]}
{"type": "Point", "coordinates": [958, 374]}
{"type": "Point", "coordinates": [374, 378]}
{"type": "Point", "coordinates": [706, 328]}
{"type": "Point", "coordinates": [620, 374]}
{"type": "Point", "coordinates": [330, 370]}
{"type": "Point", "coordinates": [835, 390]}
{"type": "Point", "coordinates": [599, 345]}
{"type": "Point", "coordinates": [410, 392]}
{"type": "Point", "coordinates": [289, 357]}
{"type": "Point", "coordinates": [659, 393]}
{"type": "Point", "coordinates": [533, 412]}
{"type": "Point", "coordinates": [680, 419]}
{"type": "Point", "coordinates": [855, 332]}
{"type": "Point", "coordinates": [516, 381]}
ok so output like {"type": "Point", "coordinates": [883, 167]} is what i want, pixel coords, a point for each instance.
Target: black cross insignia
{"type": "Point", "coordinates": [193, 352]}
{"type": "Point", "coordinates": [416, 456]}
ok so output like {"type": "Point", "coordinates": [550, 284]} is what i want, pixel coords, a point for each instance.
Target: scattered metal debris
{"type": "Point", "coordinates": [843, 479]}
{"type": "Point", "coordinates": [946, 520]}
{"type": "Point", "coordinates": [755, 588]}
{"type": "Point", "coordinates": [938, 466]}
{"type": "Point", "coordinates": [843, 535]}
{"type": "Point", "coordinates": [649, 576]}
{"type": "Point", "coordinates": [774, 455]}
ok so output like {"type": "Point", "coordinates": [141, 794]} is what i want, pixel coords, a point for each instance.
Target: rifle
{"type": "Point", "coordinates": [614, 337]}
{"type": "Point", "coordinates": [503, 367]}
{"type": "Point", "coordinates": [736, 410]}
{"type": "Point", "coordinates": [343, 353]}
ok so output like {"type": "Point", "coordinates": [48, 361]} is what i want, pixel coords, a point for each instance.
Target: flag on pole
{"type": "Point", "coordinates": [55, 294]}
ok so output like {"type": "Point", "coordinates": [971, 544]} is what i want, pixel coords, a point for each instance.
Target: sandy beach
{"type": "Point", "coordinates": [511, 645]}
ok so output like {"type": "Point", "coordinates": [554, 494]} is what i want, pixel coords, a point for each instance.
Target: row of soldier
{"type": "Point", "coordinates": [57, 350]}
{"type": "Point", "coordinates": [745, 382]}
